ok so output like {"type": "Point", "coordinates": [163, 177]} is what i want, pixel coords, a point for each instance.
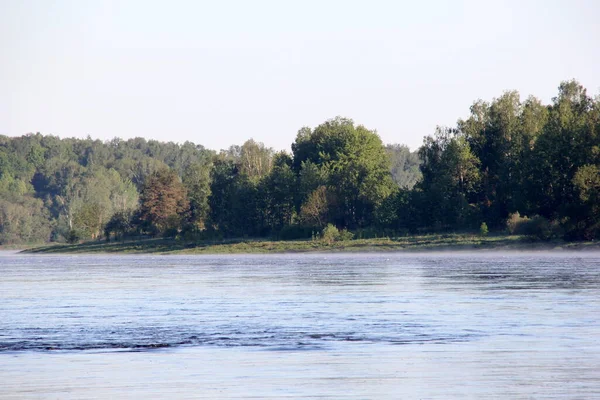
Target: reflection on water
{"type": "Point", "coordinates": [301, 326]}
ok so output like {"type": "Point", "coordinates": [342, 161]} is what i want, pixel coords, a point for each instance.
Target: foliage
{"type": "Point", "coordinates": [164, 202]}
{"type": "Point", "coordinates": [277, 191]}
{"type": "Point", "coordinates": [24, 220]}
{"type": "Point", "coordinates": [451, 180]}
{"type": "Point", "coordinates": [196, 179]}
{"type": "Point", "coordinates": [88, 220]}
{"type": "Point", "coordinates": [537, 226]}
{"type": "Point", "coordinates": [587, 183]}
{"type": "Point", "coordinates": [404, 165]}
{"type": "Point", "coordinates": [332, 234]}
{"type": "Point", "coordinates": [516, 224]}
{"type": "Point", "coordinates": [255, 160]}
{"type": "Point", "coordinates": [345, 235]}
{"type": "Point", "coordinates": [234, 201]}
{"type": "Point", "coordinates": [483, 229]}
{"type": "Point", "coordinates": [294, 232]}
{"type": "Point", "coordinates": [356, 166]}
{"type": "Point", "coordinates": [315, 208]}
{"type": "Point", "coordinates": [508, 156]}
{"type": "Point", "coordinates": [540, 228]}
{"type": "Point", "coordinates": [120, 225]}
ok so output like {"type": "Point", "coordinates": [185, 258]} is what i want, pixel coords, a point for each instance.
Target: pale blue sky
{"type": "Point", "coordinates": [220, 72]}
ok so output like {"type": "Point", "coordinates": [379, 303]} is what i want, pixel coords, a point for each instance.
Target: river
{"type": "Point", "coordinates": [301, 326]}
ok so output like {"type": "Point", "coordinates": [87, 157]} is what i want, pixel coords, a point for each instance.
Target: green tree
{"type": "Point", "coordinates": [104, 193]}
{"type": "Point", "coordinates": [356, 165]}
{"type": "Point", "coordinates": [493, 132]}
{"type": "Point", "coordinates": [533, 118]}
{"type": "Point", "coordinates": [450, 181]}
{"type": "Point", "coordinates": [310, 177]}
{"type": "Point", "coordinates": [120, 225]}
{"type": "Point", "coordinates": [88, 220]}
{"type": "Point", "coordinates": [316, 207]}
{"type": "Point", "coordinates": [566, 144]}
{"type": "Point", "coordinates": [587, 183]}
{"type": "Point", "coordinates": [23, 219]}
{"type": "Point", "coordinates": [66, 191]}
{"type": "Point", "coordinates": [235, 204]}
{"type": "Point", "coordinates": [279, 192]}
{"type": "Point", "coordinates": [196, 180]}
{"type": "Point", "coordinates": [255, 160]}
{"type": "Point", "coordinates": [404, 165]}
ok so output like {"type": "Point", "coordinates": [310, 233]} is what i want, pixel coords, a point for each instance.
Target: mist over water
{"type": "Point", "coordinates": [460, 325]}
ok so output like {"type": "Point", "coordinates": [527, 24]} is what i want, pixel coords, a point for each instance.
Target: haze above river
{"type": "Point", "coordinates": [327, 326]}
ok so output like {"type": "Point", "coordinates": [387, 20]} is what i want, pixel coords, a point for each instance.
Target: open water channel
{"type": "Point", "coordinates": [318, 326]}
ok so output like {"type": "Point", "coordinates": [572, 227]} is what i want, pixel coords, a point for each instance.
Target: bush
{"type": "Point", "coordinates": [191, 232]}
{"type": "Point", "coordinates": [483, 229]}
{"type": "Point", "coordinates": [74, 236]}
{"type": "Point", "coordinates": [540, 228]}
{"type": "Point", "coordinates": [332, 234]}
{"type": "Point", "coordinates": [345, 235]}
{"type": "Point", "coordinates": [516, 225]}
{"type": "Point", "coordinates": [120, 225]}
{"type": "Point", "coordinates": [535, 227]}
{"type": "Point", "coordinates": [580, 230]}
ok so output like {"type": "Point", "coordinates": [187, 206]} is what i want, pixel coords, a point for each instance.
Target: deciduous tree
{"type": "Point", "coordinates": [164, 202]}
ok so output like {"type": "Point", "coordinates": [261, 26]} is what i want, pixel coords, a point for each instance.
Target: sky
{"type": "Point", "coordinates": [217, 73]}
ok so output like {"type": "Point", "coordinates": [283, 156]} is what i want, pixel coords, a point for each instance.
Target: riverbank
{"type": "Point", "coordinates": [416, 243]}
{"type": "Point", "coordinates": [20, 247]}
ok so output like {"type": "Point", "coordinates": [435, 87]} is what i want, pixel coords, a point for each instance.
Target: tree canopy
{"type": "Point", "coordinates": [510, 160]}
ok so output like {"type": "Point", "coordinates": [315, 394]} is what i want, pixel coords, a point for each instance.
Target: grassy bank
{"type": "Point", "coordinates": [21, 246]}
{"type": "Point", "coordinates": [462, 242]}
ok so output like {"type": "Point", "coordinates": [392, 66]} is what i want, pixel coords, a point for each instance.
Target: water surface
{"type": "Point", "coordinates": [482, 325]}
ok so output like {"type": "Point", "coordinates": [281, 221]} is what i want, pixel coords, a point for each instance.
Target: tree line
{"type": "Point", "coordinates": [513, 164]}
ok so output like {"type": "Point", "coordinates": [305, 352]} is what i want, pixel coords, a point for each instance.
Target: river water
{"type": "Point", "coordinates": [318, 326]}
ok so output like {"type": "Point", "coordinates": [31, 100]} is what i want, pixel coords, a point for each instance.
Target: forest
{"type": "Point", "coordinates": [513, 166]}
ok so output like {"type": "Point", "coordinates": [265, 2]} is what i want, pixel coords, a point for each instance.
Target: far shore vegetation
{"type": "Point", "coordinates": [416, 243]}
{"type": "Point", "coordinates": [516, 173]}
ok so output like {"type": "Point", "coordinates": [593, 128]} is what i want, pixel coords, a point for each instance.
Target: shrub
{"type": "Point", "coordinates": [192, 232]}
{"type": "Point", "coordinates": [346, 235]}
{"type": "Point", "coordinates": [515, 224]}
{"type": "Point", "coordinates": [120, 225]}
{"type": "Point", "coordinates": [332, 234]}
{"type": "Point", "coordinates": [483, 229]}
{"type": "Point", "coordinates": [74, 236]}
{"type": "Point", "coordinates": [579, 230]}
{"type": "Point", "coordinates": [540, 227]}
{"type": "Point", "coordinates": [537, 226]}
